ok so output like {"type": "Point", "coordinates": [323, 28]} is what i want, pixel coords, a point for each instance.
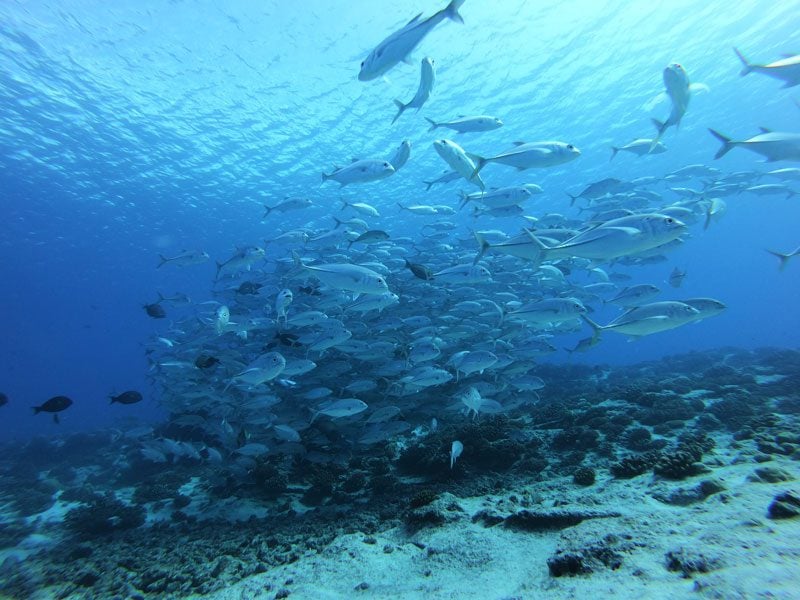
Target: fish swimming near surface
{"type": "Point", "coordinates": [344, 276]}
{"type": "Point", "coordinates": [287, 205]}
{"type": "Point", "coordinates": [772, 145]}
{"type": "Point", "coordinates": [129, 397]}
{"type": "Point", "coordinates": [467, 124]}
{"type": "Point", "coordinates": [427, 79]}
{"type": "Point", "coordinates": [639, 147]}
{"type": "Point", "coordinates": [54, 405]}
{"type": "Point", "coordinates": [399, 45]}
{"type": "Point", "coordinates": [360, 171]}
{"type": "Point", "coordinates": [459, 160]}
{"type": "Point", "coordinates": [399, 159]}
{"type": "Point", "coordinates": [530, 155]}
{"type": "Point", "coordinates": [786, 69]}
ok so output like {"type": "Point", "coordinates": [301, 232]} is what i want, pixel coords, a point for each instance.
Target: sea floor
{"type": "Point", "coordinates": [675, 479]}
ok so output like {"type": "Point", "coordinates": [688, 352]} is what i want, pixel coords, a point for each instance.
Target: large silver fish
{"type": "Point", "coordinates": [772, 145]}
{"type": "Point", "coordinates": [398, 46]}
{"type": "Point", "coordinates": [786, 69]}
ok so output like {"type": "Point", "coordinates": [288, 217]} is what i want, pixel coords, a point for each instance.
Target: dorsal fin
{"type": "Point", "coordinates": [765, 130]}
{"type": "Point", "coordinates": [414, 19]}
{"type": "Point", "coordinates": [520, 143]}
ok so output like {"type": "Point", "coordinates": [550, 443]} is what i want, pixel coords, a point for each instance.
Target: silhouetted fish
{"type": "Point", "coordinates": [54, 405]}
{"type": "Point", "coordinates": [129, 397]}
{"type": "Point", "coordinates": [3, 399]}
{"type": "Point", "coordinates": [205, 361]}
{"type": "Point", "coordinates": [155, 310]}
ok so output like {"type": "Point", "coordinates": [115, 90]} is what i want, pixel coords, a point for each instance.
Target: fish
{"type": "Point", "coordinates": [676, 277]}
{"type": "Point", "coordinates": [222, 318]}
{"type": "Point", "coordinates": [337, 409]}
{"type": "Point", "coordinates": [447, 177]}
{"type": "Point", "coordinates": [155, 310]}
{"type": "Point", "coordinates": [344, 276]}
{"type": "Point", "coordinates": [640, 147]}
{"type": "Point", "coordinates": [129, 397]}
{"type": "Point", "coordinates": [249, 288]}
{"type": "Point", "coordinates": [679, 91]}
{"type": "Point", "coordinates": [243, 259]}
{"type": "Point", "coordinates": [3, 399]}
{"type": "Point", "coordinates": [530, 155]}
{"type": "Point", "coordinates": [419, 271]}
{"type": "Point", "coordinates": [635, 295]}
{"type": "Point", "coordinates": [784, 257]}
{"type": "Point", "coordinates": [261, 370]}
{"type": "Point", "coordinates": [456, 449]}
{"type": "Point", "coordinates": [420, 209]}
{"type": "Point", "coordinates": [502, 197]}
{"type": "Point", "coordinates": [427, 79]}
{"type": "Point", "coordinates": [177, 299]}
{"type": "Point", "coordinates": [458, 160]}
{"type": "Point", "coordinates": [282, 302]}
{"type": "Point", "coordinates": [786, 69]}
{"type": "Point", "coordinates": [789, 173]}
{"type": "Point", "coordinates": [598, 189]}
{"type": "Point", "coordinates": [399, 45]}
{"type": "Point", "coordinates": [205, 361]}
{"type": "Point", "coordinates": [363, 208]}
{"type": "Point", "coordinates": [370, 237]}
{"type": "Point", "coordinates": [54, 405]}
{"type": "Point", "coordinates": [706, 307]}
{"type": "Point", "coordinates": [360, 171]}
{"type": "Point", "coordinates": [184, 259]}
{"type": "Point", "coordinates": [648, 319]}
{"type": "Point", "coordinates": [550, 311]}
{"type": "Point", "coordinates": [463, 274]}
{"type": "Point", "coordinates": [465, 124]}
{"type": "Point", "coordinates": [287, 205]}
{"type": "Point", "coordinates": [476, 361]}
{"type": "Point", "coordinates": [773, 146]}
{"type": "Point", "coordinates": [401, 155]}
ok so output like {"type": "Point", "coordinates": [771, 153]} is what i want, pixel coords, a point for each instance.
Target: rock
{"type": "Point", "coordinates": [526, 520]}
{"type": "Point", "coordinates": [584, 476]}
{"type": "Point", "coordinates": [689, 562]}
{"type": "Point", "coordinates": [588, 559]}
{"type": "Point", "coordinates": [770, 475]}
{"type": "Point", "coordinates": [785, 505]}
{"type": "Point", "coordinates": [686, 496]}
{"type": "Point", "coordinates": [445, 509]}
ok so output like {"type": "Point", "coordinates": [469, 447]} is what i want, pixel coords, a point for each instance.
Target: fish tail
{"type": "Point", "coordinates": [541, 246]}
{"type": "Point", "coordinates": [401, 206]}
{"type": "Point", "coordinates": [296, 259]}
{"type": "Point", "coordinates": [400, 109]}
{"type": "Point", "coordinates": [164, 260]}
{"type": "Point", "coordinates": [36, 409]}
{"type": "Point", "coordinates": [433, 126]}
{"type": "Point", "coordinates": [596, 329]}
{"type": "Point", "coordinates": [661, 127]}
{"type": "Point", "coordinates": [344, 202]}
{"type": "Point", "coordinates": [268, 209]}
{"type": "Point", "coordinates": [480, 162]}
{"type": "Point", "coordinates": [727, 144]}
{"type": "Point", "coordinates": [464, 198]}
{"type": "Point", "coordinates": [483, 246]}
{"type": "Point", "coordinates": [746, 66]}
{"type": "Point", "coordinates": [451, 11]}
{"type": "Point", "coordinates": [573, 198]}
{"type": "Point", "coordinates": [614, 151]}
{"type": "Point", "coordinates": [325, 177]}
{"type": "Point", "coordinates": [784, 258]}
{"type": "Point", "coordinates": [338, 223]}
{"type": "Point", "coordinates": [428, 184]}
{"type": "Point", "coordinates": [219, 268]}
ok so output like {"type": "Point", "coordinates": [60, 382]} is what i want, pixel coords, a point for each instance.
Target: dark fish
{"type": "Point", "coordinates": [309, 290]}
{"type": "Point", "coordinates": [420, 271]}
{"type": "Point", "coordinates": [249, 288]}
{"type": "Point", "coordinates": [55, 405]}
{"type": "Point", "coordinates": [3, 399]}
{"type": "Point", "coordinates": [205, 361]}
{"type": "Point", "coordinates": [288, 339]}
{"type": "Point", "coordinates": [676, 277]}
{"type": "Point", "coordinates": [155, 310]}
{"type": "Point", "coordinates": [129, 397]}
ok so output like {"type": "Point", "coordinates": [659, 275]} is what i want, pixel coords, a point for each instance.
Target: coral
{"type": "Point", "coordinates": [105, 514]}
{"type": "Point", "coordinates": [575, 438]}
{"type": "Point", "coordinates": [444, 509]}
{"type": "Point", "coordinates": [422, 498]}
{"type": "Point", "coordinates": [584, 476]}
{"type": "Point", "coordinates": [785, 505]}
{"type": "Point", "coordinates": [734, 411]}
{"type": "Point", "coordinates": [638, 439]}
{"type": "Point", "coordinates": [689, 562]}
{"type": "Point", "coordinates": [588, 559]}
{"type": "Point", "coordinates": [633, 466]}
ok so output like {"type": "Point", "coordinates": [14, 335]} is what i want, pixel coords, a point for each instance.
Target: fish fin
{"type": "Point", "coordinates": [464, 198]}
{"type": "Point", "coordinates": [765, 130]}
{"type": "Point", "coordinates": [344, 202]}
{"type": "Point", "coordinates": [596, 329]}
{"type": "Point", "coordinates": [164, 260]}
{"type": "Point", "coordinates": [428, 185]}
{"type": "Point", "coordinates": [746, 66]}
{"type": "Point", "coordinates": [414, 20]}
{"type": "Point", "coordinates": [219, 268]}
{"type": "Point", "coordinates": [661, 127]}
{"type": "Point", "coordinates": [614, 151]}
{"type": "Point", "coordinates": [480, 162]}
{"type": "Point", "coordinates": [401, 206]}
{"type": "Point", "coordinates": [268, 209]}
{"type": "Point", "coordinates": [400, 109]}
{"type": "Point", "coordinates": [699, 88]}
{"type": "Point", "coordinates": [727, 144]}
{"type": "Point", "coordinates": [784, 258]}
{"type": "Point", "coordinates": [451, 11]}
{"type": "Point", "coordinates": [338, 222]}
{"type": "Point", "coordinates": [519, 143]}
{"type": "Point", "coordinates": [298, 262]}
{"type": "Point", "coordinates": [326, 177]}
{"type": "Point", "coordinates": [36, 409]}
{"type": "Point", "coordinates": [433, 126]}
{"type": "Point", "coordinates": [573, 198]}
{"type": "Point", "coordinates": [483, 246]}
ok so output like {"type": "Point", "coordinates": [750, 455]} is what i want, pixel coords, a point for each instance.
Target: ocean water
{"type": "Point", "coordinates": [133, 130]}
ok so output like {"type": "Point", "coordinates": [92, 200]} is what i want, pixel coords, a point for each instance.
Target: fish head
{"type": "Point", "coordinates": [675, 77]}
{"type": "Point", "coordinates": [373, 67]}
{"type": "Point", "coordinates": [670, 227]}
{"type": "Point", "coordinates": [383, 168]}
{"type": "Point", "coordinates": [497, 123]}
{"type": "Point", "coordinates": [570, 150]}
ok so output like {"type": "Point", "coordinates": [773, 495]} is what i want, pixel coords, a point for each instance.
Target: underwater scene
{"type": "Point", "coordinates": [414, 299]}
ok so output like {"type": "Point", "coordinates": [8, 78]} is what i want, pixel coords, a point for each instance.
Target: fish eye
{"type": "Point", "coordinates": [362, 63]}
{"type": "Point", "coordinates": [380, 280]}
{"type": "Point", "coordinates": [570, 147]}
{"type": "Point", "coordinates": [669, 220]}
{"type": "Point", "coordinates": [386, 164]}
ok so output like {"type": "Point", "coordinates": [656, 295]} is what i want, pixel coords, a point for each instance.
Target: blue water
{"type": "Point", "coordinates": [133, 129]}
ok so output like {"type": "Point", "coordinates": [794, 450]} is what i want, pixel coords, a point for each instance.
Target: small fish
{"type": "Point", "coordinates": [446, 178]}
{"type": "Point", "coordinates": [676, 277]}
{"type": "Point", "coordinates": [468, 124]}
{"type": "Point", "coordinates": [370, 237]}
{"type": "Point", "coordinates": [401, 155]}
{"type": "Point", "coordinates": [784, 257]}
{"type": "Point", "coordinates": [54, 405]}
{"type": "Point", "coordinates": [530, 155]}
{"type": "Point", "coordinates": [177, 299]}
{"type": "Point", "coordinates": [360, 171]}
{"type": "Point", "coordinates": [639, 147]}
{"type": "Point", "coordinates": [676, 82]}
{"type": "Point", "coordinates": [155, 310]}
{"type": "Point", "coordinates": [223, 318]}
{"type": "Point", "coordinates": [184, 259]}
{"type": "Point", "coordinates": [129, 397]}
{"type": "Point", "coordinates": [282, 302]}
{"type": "Point", "coordinates": [427, 79]}
{"type": "Point", "coordinates": [3, 399]}
{"type": "Point", "coordinates": [420, 271]}
{"type": "Point", "coordinates": [458, 160]}
{"type": "Point", "coordinates": [288, 204]}
{"type": "Point", "coordinates": [400, 44]}
{"type": "Point", "coordinates": [345, 407]}
{"type": "Point", "coordinates": [206, 361]}
{"type": "Point", "coordinates": [456, 448]}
